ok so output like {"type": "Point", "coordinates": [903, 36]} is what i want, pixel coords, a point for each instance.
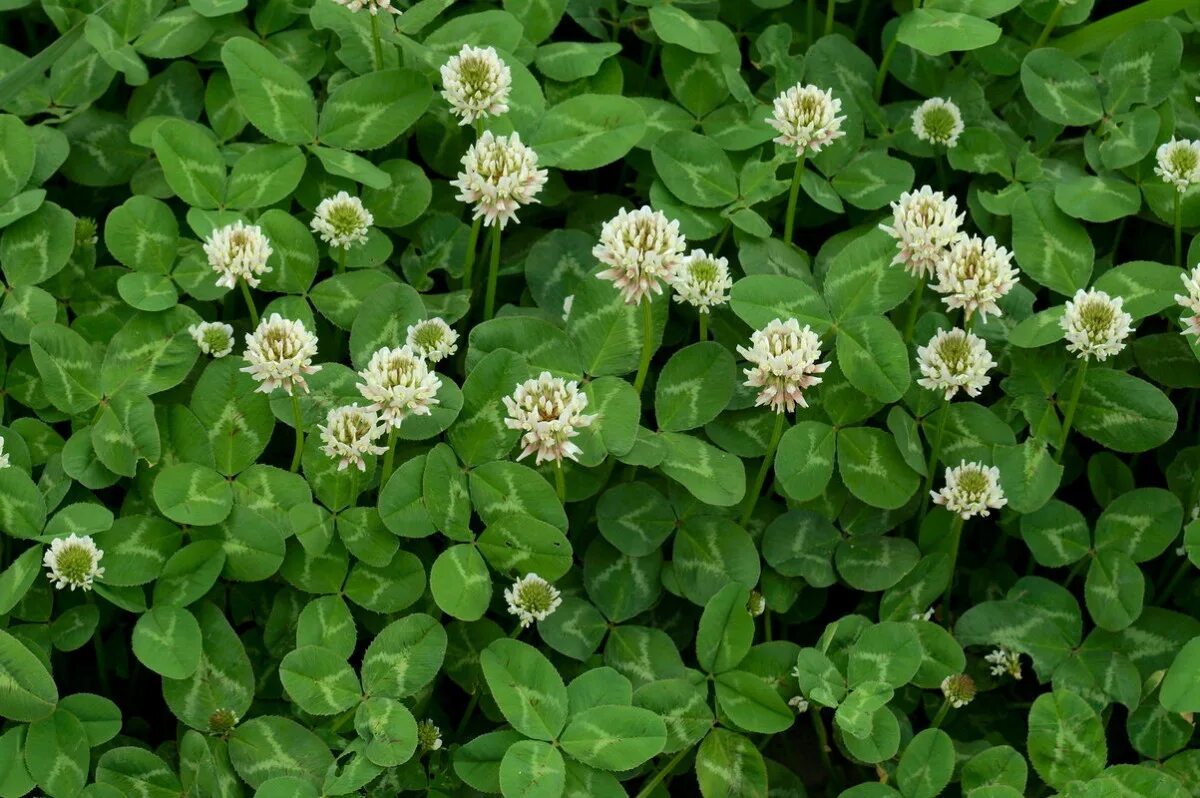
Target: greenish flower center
{"type": "Point", "coordinates": [535, 597]}
{"type": "Point", "coordinates": [474, 73]}
{"type": "Point", "coordinates": [1096, 318]}
{"type": "Point", "coordinates": [973, 482]}
{"type": "Point", "coordinates": [216, 339]}
{"type": "Point", "coordinates": [703, 271]}
{"type": "Point", "coordinates": [939, 123]}
{"type": "Point", "coordinates": [75, 563]}
{"type": "Point", "coordinates": [345, 219]}
{"type": "Point", "coordinates": [955, 352]}
{"type": "Point", "coordinates": [428, 336]}
{"type": "Point", "coordinates": [1183, 159]}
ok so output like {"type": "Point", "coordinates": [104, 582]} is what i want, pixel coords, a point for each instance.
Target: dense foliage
{"type": "Point", "coordinates": [599, 398]}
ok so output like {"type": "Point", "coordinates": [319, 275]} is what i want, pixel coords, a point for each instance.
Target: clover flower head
{"type": "Point", "coordinates": [531, 599]}
{"type": "Point", "coordinates": [971, 489]}
{"type": "Point", "coordinates": [642, 249]}
{"type": "Point", "coordinates": [1190, 302]}
{"type": "Point", "coordinates": [4, 461]}
{"type": "Point", "coordinates": [499, 176]}
{"type": "Point", "coordinates": [238, 251]}
{"type": "Point", "coordinates": [222, 721]}
{"type": "Point", "coordinates": [432, 339]}
{"type": "Point", "coordinates": [954, 360]}
{"type": "Point", "coordinates": [799, 704]}
{"type": "Point", "coordinates": [476, 83]}
{"type": "Point", "coordinates": [373, 6]}
{"type": "Point", "coordinates": [73, 562]}
{"type": "Point", "coordinates": [429, 737]}
{"type": "Point", "coordinates": [1095, 325]}
{"type": "Point", "coordinates": [213, 337]}
{"type": "Point", "coordinates": [1005, 661]}
{"type": "Point", "coordinates": [806, 118]}
{"type": "Point", "coordinates": [938, 121]}
{"type": "Point", "coordinates": [86, 232]}
{"type": "Point", "coordinates": [342, 221]}
{"type": "Point", "coordinates": [702, 281]}
{"type": "Point", "coordinates": [280, 353]}
{"type": "Point", "coordinates": [975, 275]}
{"type": "Point", "coordinates": [784, 358]}
{"type": "Point", "coordinates": [549, 413]}
{"type": "Point", "coordinates": [922, 616]}
{"type": "Point", "coordinates": [349, 434]}
{"type": "Point", "coordinates": [757, 604]}
{"type": "Point", "coordinates": [924, 223]}
{"type": "Point", "coordinates": [398, 384]}
{"type": "Point", "coordinates": [1179, 163]}
{"type": "Point", "coordinates": [959, 690]}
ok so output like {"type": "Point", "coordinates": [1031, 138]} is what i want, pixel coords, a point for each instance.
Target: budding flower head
{"type": "Point", "coordinates": [924, 223]}
{"type": "Point", "coordinates": [799, 704]}
{"type": "Point", "coordinates": [975, 275]}
{"type": "Point", "coordinates": [757, 605]}
{"type": "Point", "coordinates": [222, 722]}
{"type": "Point", "coordinates": [1005, 661]}
{"type": "Point", "coordinates": [953, 360]}
{"type": "Point", "coordinates": [4, 462]}
{"type": "Point", "coordinates": [1095, 325]}
{"type": "Point", "coordinates": [349, 434]}
{"type": "Point", "coordinates": [398, 383]}
{"type": "Point", "coordinates": [1190, 301]}
{"type": "Point", "coordinates": [938, 121]}
{"type": "Point", "coordinates": [73, 562]}
{"type": "Point", "coordinates": [806, 118]}
{"type": "Point", "coordinates": [532, 598]}
{"type": "Point", "coordinates": [703, 281]}
{"type": "Point", "coordinates": [959, 690]}
{"type": "Point", "coordinates": [213, 337]}
{"type": "Point", "coordinates": [549, 413]}
{"type": "Point", "coordinates": [784, 358]}
{"type": "Point", "coordinates": [432, 339]}
{"type": "Point", "coordinates": [971, 489]}
{"type": "Point", "coordinates": [642, 249]}
{"type": "Point", "coordinates": [499, 176]}
{"type": "Point", "coordinates": [85, 232]}
{"type": "Point", "coordinates": [476, 83]}
{"type": "Point", "coordinates": [429, 737]}
{"type": "Point", "coordinates": [1179, 163]}
{"type": "Point", "coordinates": [342, 221]}
{"type": "Point", "coordinates": [374, 6]}
{"type": "Point", "coordinates": [238, 251]}
{"type": "Point", "coordinates": [280, 353]}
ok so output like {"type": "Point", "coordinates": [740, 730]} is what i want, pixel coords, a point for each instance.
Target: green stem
{"type": "Point", "coordinates": [662, 773]}
{"type": "Point", "coordinates": [353, 486]}
{"type": "Point", "coordinates": [249, 302]}
{"type": "Point", "coordinates": [489, 302]}
{"type": "Point", "coordinates": [914, 310]}
{"type": "Point", "coordinates": [761, 478]}
{"type": "Point", "coordinates": [560, 482]}
{"type": "Point", "coordinates": [390, 457]}
{"type": "Point", "coordinates": [469, 261]}
{"type": "Point", "coordinates": [721, 239]}
{"type": "Point", "coordinates": [934, 453]}
{"type": "Point", "coordinates": [1178, 228]}
{"type": "Point", "coordinates": [342, 254]}
{"type": "Point", "coordinates": [297, 419]}
{"type": "Point", "coordinates": [1051, 24]}
{"type": "Point", "coordinates": [98, 646]}
{"type": "Point", "coordinates": [470, 710]}
{"type": "Point", "coordinates": [881, 75]}
{"type": "Point", "coordinates": [829, 16]}
{"type": "Point", "coordinates": [1181, 571]}
{"type": "Point", "coordinates": [1069, 415]}
{"type": "Point", "coordinates": [703, 326]}
{"type": "Point", "coordinates": [811, 20]}
{"type": "Point", "coordinates": [377, 42]}
{"type": "Point", "coordinates": [639, 381]}
{"type": "Point", "coordinates": [818, 724]}
{"type": "Point", "coordinates": [941, 714]}
{"type": "Point", "coordinates": [956, 527]}
{"type": "Point", "coordinates": [789, 224]}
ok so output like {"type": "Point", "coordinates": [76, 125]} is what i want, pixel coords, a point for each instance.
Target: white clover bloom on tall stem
{"type": "Point", "coordinates": [1178, 163]}
{"type": "Point", "coordinates": [499, 176]}
{"type": "Point", "coordinates": [532, 599]}
{"type": "Point", "coordinates": [703, 281]}
{"type": "Point", "coordinates": [1190, 302]}
{"type": "Point", "coordinates": [975, 275]}
{"type": "Point", "coordinates": [73, 562]}
{"type": "Point", "coordinates": [432, 339]}
{"type": "Point", "coordinates": [280, 353]}
{"type": "Point", "coordinates": [924, 223]}
{"type": "Point", "coordinates": [399, 384]}
{"type": "Point", "coordinates": [642, 250]}
{"type": "Point", "coordinates": [476, 83]}
{"type": "Point", "coordinates": [1095, 325]}
{"type": "Point", "coordinates": [342, 221]}
{"type": "Point", "coordinates": [213, 337]}
{"type": "Point", "coordinates": [954, 360]}
{"type": "Point", "coordinates": [238, 251]}
{"type": "Point", "coordinates": [549, 412]}
{"type": "Point", "coordinates": [373, 6]}
{"type": "Point", "coordinates": [806, 118]}
{"type": "Point", "coordinates": [971, 489]}
{"type": "Point", "coordinates": [938, 121]}
{"type": "Point", "coordinates": [784, 364]}
{"type": "Point", "coordinates": [349, 435]}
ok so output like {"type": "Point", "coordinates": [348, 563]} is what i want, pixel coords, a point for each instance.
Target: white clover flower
{"type": "Point", "coordinates": [924, 223]}
{"type": "Point", "coordinates": [399, 384]}
{"type": "Point", "coordinates": [953, 360]}
{"type": "Point", "coordinates": [73, 562]}
{"type": "Point", "coordinates": [1179, 163]}
{"type": "Point", "coordinates": [213, 337]}
{"type": "Point", "coordinates": [499, 176]}
{"type": "Point", "coordinates": [806, 118]}
{"type": "Point", "coordinates": [429, 737]}
{"type": "Point", "coordinates": [1004, 661]}
{"type": "Point", "coordinates": [374, 6]}
{"type": "Point", "coordinates": [349, 434]}
{"type": "Point", "coordinates": [1095, 325]}
{"type": "Point", "coordinates": [568, 303]}
{"type": "Point", "coordinates": [4, 462]}
{"type": "Point", "coordinates": [785, 358]}
{"type": "Point", "coordinates": [757, 604]}
{"type": "Point", "coordinates": [1190, 302]}
{"type": "Point", "coordinates": [703, 281]}
{"type": "Point", "coordinates": [798, 704]}
{"type": "Point", "coordinates": [938, 121]}
{"type": "Point", "coordinates": [642, 249]}
{"type": "Point", "coordinates": [975, 275]}
{"type": "Point", "coordinates": [922, 616]}
{"type": "Point", "coordinates": [549, 412]}
{"type": "Point", "coordinates": [342, 221]}
{"type": "Point", "coordinates": [238, 251]}
{"type": "Point", "coordinates": [432, 339]}
{"type": "Point", "coordinates": [280, 353]}
{"type": "Point", "coordinates": [476, 83]}
{"type": "Point", "coordinates": [959, 690]}
{"type": "Point", "coordinates": [971, 489]}
{"type": "Point", "coordinates": [532, 598]}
